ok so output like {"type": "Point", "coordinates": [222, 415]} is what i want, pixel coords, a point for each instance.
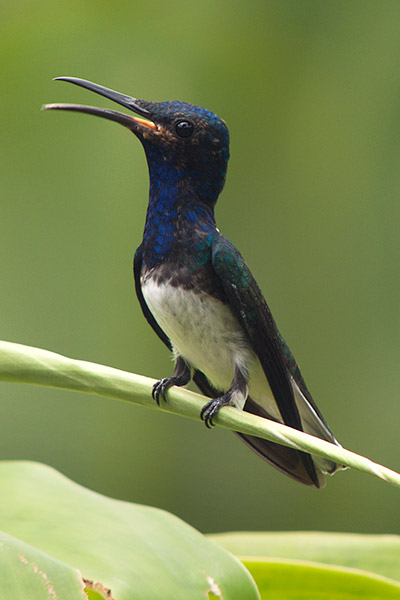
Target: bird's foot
{"type": "Point", "coordinates": [181, 376]}
{"type": "Point", "coordinates": [210, 409]}
{"type": "Point", "coordinates": [160, 388]}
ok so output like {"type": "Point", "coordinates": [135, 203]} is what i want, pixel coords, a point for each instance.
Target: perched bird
{"type": "Point", "coordinates": [195, 289]}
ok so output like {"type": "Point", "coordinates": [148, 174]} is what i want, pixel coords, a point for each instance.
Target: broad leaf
{"type": "Point", "coordinates": [291, 580]}
{"type": "Point", "coordinates": [376, 553]}
{"type": "Point", "coordinates": [28, 574]}
{"type": "Point", "coordinates": [139, 552]}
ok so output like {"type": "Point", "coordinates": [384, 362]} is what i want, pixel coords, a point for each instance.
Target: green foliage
{"type": "Point", "coordinates": [26, 573]}
{"type": "Point", "coordinates": [138, 552]}
{"type": "Point", "coordinates": [320, 565]}
{"type": "Point", "coordinates": [293, 580]}
{"type": "Point", "coordinates": [379, 554]}
{"type": "Point", "coordinates": [142, 552]}
{"type": "Point", "coordinates": [64, 541]}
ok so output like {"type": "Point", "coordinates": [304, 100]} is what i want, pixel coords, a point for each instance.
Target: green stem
{"type": "Point", "coordinates": [24, 364]}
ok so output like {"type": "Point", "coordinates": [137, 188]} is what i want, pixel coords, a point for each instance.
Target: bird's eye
{"type": "Point", "coordinates": [184, 129]}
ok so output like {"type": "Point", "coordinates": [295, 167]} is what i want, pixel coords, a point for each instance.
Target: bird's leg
{"type": "Point", "coordinates": [181, 376]}
{"type": "Point", "coordinates": [235, 396]}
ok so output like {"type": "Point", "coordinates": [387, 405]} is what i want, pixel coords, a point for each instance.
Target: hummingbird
{"type": "Point", "coordinates": [195, 289]}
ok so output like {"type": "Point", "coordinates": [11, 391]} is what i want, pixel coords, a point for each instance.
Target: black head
{"type": "Point", "coordinates": [185, 145]}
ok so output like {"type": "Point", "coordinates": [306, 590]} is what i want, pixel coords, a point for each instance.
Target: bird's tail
{"type": "Point", "coordinates": [314, 424]}
{"type": "Point", "coordinates": [301, 466]}
{"type": "Point", "coordinates": [298, 465]}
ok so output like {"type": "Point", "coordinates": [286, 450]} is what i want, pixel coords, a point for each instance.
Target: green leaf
{"type": "Point", "coordinates": [28, 574]}
{"type": "Point", "coordinates": [25, 364]}
{"type": "Point", "coordinates": [139, 552]}
{"type": "Point", "coordinates": [376, 553]}
{"type": "Point", "coordinates": [293, 565]}
{"type": "Point", "coordinates": [291, 580]}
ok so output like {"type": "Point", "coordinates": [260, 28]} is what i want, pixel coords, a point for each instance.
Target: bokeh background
{"type": "Point", "coordinates": [311, 94]}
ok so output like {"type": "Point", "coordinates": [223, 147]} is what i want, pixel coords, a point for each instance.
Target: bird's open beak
{"type": "Point", "coordinates": [136, 124]}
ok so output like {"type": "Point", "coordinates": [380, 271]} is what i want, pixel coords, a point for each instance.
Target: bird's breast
{"type": "Point", "coordinates": [202, 328]}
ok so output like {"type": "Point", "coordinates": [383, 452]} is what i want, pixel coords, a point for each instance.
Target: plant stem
{"type": "Point", "coordinates": [25, 364]}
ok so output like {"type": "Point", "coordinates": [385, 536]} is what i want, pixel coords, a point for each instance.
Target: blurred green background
{"type": "Point", "coordinates": [311, 93]}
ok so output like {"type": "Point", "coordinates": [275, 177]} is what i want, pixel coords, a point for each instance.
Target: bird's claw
{"type": "Point", "coordinates": [160, 388]}
{"type": "Point", "coordinates": [207, 413]}
{"type": "Point", "coordinates": [212, 407]}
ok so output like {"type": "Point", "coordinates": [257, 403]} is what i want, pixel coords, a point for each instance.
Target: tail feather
{"type": "Point", "coordinates": [298, 465]}
{"type": "Point", "coordinates": [314, 424]}
{"type": "Point", "coordinates": [294, 463]}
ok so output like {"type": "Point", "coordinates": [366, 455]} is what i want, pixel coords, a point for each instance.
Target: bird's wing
{"type": "Point", "coordinates": [295, 372]}
{"type": "Point", "coordinates": [137, 267]}
{"type": "Point", "coordinates": [248, 304]}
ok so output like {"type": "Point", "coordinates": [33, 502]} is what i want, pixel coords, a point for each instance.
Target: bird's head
{"type": "Point", "coordinates": [185, 145]}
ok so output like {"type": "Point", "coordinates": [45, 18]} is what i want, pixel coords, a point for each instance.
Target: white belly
{"type": "Point", "coordinates": [201, 328]}
{"type": "Point", "coordinates": [208, 336]}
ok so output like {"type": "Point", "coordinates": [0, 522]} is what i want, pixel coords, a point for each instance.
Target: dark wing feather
{"type": "Point", "coordinates": [137, 268]}
{"type": "Point", "coordinates": [291, 462]}
{"type": "Point", "coordinates": [295, 372]}
{"type": "Point", "coordinates": [248, 304]}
